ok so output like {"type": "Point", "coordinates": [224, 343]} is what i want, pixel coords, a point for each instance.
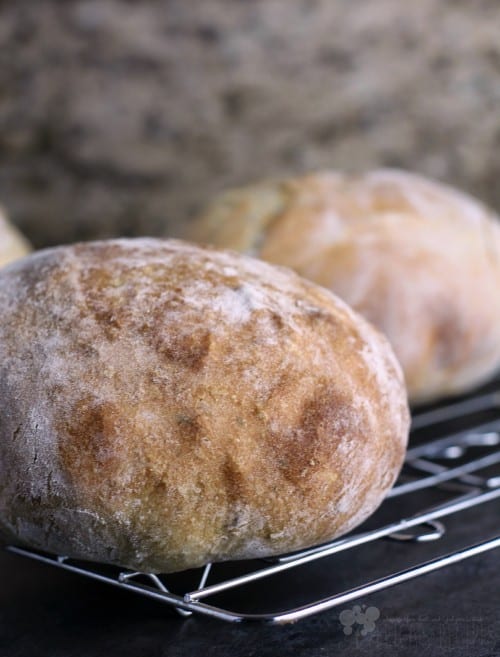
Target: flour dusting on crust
{"type": "Point", "coordinates": [165, 405]}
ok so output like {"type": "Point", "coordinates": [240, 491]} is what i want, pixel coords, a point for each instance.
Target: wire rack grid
{"type": "Point", "coordinates": [461, 462]}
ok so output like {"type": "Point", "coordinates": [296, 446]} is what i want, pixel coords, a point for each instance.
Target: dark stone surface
{"type": "Point", "coordinates": [453, 612]}
{"type": "Point", "coordinates": [47, 613]}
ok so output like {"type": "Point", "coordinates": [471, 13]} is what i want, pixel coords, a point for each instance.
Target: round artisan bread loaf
{"type": "Point", "coordinates": [12, 243]}
{"type": "Point", "coordinates": [417, 258]}
{"type": "Point", "coordinates": [166, 405]}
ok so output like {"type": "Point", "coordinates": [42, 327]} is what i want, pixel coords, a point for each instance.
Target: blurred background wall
{"type": "Point", "coordinates": [123, 117]}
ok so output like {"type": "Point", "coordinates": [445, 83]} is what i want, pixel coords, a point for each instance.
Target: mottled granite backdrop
{"type": "Point", "coordinates": [121, 117]}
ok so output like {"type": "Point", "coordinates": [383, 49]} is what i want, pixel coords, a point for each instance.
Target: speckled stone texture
{"type": "Point", "coordinates": [123, 118]}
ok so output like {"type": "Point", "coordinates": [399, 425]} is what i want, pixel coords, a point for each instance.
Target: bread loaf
{"type": "Point", "coordinates": [418, 259]}
{"type": "Point", "coordinates": [165, 405]}
{"type": "Point", "coordinates": [12, 243]}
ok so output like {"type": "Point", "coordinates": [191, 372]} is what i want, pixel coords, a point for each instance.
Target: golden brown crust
{"type": "Point", "coordinates": [417, 258]}
{"type": "Point", "coordinates": [12, 244]}
{"type": "Point", "coordinates": [166, 405]}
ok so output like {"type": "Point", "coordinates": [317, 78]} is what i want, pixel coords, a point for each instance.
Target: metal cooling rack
{"type": "Point", "coordinates": [462, 463]}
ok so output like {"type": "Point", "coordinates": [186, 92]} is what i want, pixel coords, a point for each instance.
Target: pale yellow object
{"type": "Point", "coordinates": [12, 244]}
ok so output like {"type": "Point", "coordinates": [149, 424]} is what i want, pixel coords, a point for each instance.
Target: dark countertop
{"type": "Point", "coordinates": [455, 611]}
{"type": "Point", "coordinates": [46, 612]}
